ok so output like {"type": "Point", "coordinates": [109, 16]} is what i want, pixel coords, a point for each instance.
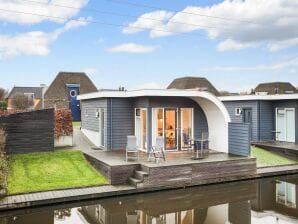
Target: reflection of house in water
{"type": "Point", "coordinates": [212, 204]}
{"type": "Point", "coordinates": [277, 198]}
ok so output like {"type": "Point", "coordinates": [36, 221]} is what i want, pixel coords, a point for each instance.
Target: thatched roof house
{"type": "Point", "coordinates": [193, 83]}
{"type": "Point", "coordinates": [275, 88]}
{"type": "Point", "coordinates": [57, 95]}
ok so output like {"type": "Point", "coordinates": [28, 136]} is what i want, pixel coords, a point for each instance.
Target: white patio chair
{"type": "Point", "coordinates": [131, 147]}
{"type": "Point", "coordinates": [157, 151]}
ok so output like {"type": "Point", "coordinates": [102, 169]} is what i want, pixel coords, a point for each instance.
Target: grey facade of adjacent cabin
{"type": "Point", "coordinates": [119, 118]}
{"type": "Point", "coordinates": [264, 116]}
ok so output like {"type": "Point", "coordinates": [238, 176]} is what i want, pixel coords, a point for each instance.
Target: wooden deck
{"type": "Point", "coordinates": [287, 149]}
{"type": "Point", "coordinates": [178, 169]}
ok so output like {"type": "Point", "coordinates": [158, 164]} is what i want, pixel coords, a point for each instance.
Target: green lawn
{"type": "Point", "coordinates": [48, 171]}
{"type": "Point", "coordinates": [266, 158]}
{"type": "Point", "coordinates": [76, 123]}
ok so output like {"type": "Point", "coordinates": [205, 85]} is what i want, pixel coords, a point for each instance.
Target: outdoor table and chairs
{"type": "Point", "coordinates": [199, 145]}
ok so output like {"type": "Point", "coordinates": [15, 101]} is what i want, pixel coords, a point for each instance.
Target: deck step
{"type": "Point", "coordinates": [133, 181]}
{"type": "Point", "coordinates": [141, 175]}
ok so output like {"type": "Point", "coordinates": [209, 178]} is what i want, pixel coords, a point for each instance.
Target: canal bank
{"type": "Point", "coordinates": [73, 195]}
{"type": "Point", "coordinates": [241, 202]}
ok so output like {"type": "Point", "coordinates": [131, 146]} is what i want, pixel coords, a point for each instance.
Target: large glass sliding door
{"type": "Point", "coordinates": [165, 124]}
{"type": "Point", "coordinates": [170, 129]}
{"type": "Point", "coordinates": [141, 127]}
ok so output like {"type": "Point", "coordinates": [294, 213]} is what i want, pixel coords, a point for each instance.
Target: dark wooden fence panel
{"type": "Point", "coordinates": [239, 139]}
{"type": "Point", "coordinates": [29, 131]}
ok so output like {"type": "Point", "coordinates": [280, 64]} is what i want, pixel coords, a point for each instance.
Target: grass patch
{"type": "Point", "coordinates": [266, 158]}
{"type": "Point", "coordinates": [48, 171]}
{"type": "Point", "coordinates": [76, 123]}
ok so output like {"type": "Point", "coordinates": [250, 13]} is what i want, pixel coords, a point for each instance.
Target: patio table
{"type": "Point", "coordinates": [198, 142]}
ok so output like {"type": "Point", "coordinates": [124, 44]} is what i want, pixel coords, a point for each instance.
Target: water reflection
{"type": "Point", "coordinates": [260, 201]}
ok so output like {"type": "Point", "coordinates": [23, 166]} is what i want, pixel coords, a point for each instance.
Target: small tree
{"type": "Point", "coordinates": [21, 102]}
{"type": "Point", "coordinates": [3, 105]}
{"type": "Point", "coordinates": [3, 93]}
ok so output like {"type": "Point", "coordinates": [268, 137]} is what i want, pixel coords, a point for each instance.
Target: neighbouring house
{"type": "Point", "coordinates": [272, 117]}
{"type": "Point", "coordinates": [108, 117]}
{"type": "Point", "coordinates": [198, 83]}
{"type": "Point", "coordinates": [34, 95]}
{"type": "Point", "coordinates": [272, 88]}
{"type": "Point", "coordinates": [63, 92]}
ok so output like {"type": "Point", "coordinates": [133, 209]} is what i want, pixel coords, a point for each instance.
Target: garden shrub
{"type": "Point", "coordinates": [3, 163]}
{"type": "Point", "coordinates": [3, 105]}
{"type": "Point", "coordinates": [63, 123]}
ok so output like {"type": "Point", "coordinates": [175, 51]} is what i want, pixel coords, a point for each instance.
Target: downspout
{"type": "Point", "coordinates": [259, 114]}
{"type": "Point", "coordinates": [111, 122]}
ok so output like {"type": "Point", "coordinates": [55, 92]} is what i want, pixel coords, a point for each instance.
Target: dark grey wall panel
{"type": "Point", "coordinates": [122, 122]}
{"type": "Point", "coordinates": [239, 139]}
{"type": "Point", "coordinates": [29, 131]}
{"type": "Point", "coordinates": [266, 125]}
{"type": "Point", "coordinates": [254, 105]}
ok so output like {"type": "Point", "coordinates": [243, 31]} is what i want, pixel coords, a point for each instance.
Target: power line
{"type": "Point", "coordinates": [123, 15]}
{"type": "Point", "coordinates": [92, 21]}
{"type": "Point", "coordinates": [190, 13]}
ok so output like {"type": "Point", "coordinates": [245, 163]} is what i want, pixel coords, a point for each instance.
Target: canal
{"type": "Point", "coordinates": [262, 201]}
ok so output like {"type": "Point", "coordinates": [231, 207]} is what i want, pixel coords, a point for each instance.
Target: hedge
{"type": "Point", "coordinates": [3, 164]}
{"type": "Point", "coordinates": [63, 123]}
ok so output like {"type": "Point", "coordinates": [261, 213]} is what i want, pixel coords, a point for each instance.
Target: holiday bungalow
{"type": "Point", "coordinates": [108, 117]}
{"type": "Point", "coordinates": [272, 118]}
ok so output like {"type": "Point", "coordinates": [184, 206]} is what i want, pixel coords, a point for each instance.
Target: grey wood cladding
{"type": "Point", "coordinates": [119, 119]}
{"type": "Point", "coordinates": [239, 139]}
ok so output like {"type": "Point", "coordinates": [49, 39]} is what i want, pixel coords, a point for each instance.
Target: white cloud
{"type": "Point", "coordinates": [272, 23]}
{"type": "Point", "coordinates": [262, 67]}
{"type": "Point", "coordinates": [35, 42]}
{"type": "Point", "coordinates": [279, 45]}
{"type": "Point", "coordinates": [133, 48]}
{"type": "Point", "coordinates": [230, 44]}
{"type": "Point", "coordinates": [46, 8]}
{"type": "Point", "coordinates": [153, 20]}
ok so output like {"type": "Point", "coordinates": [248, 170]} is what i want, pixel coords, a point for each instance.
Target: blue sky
{"type": "Point", "coordinates": [251, 41]}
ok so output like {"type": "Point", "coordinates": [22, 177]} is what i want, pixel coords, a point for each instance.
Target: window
{"type": "Point", "coordinates": [30, 98]}
{"type": "Point", "coordinates": [286, 194]}
{"type": "Point", "coordinates": [73, 93]}
{"type": "Point", "coordinates": [238, 111]}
